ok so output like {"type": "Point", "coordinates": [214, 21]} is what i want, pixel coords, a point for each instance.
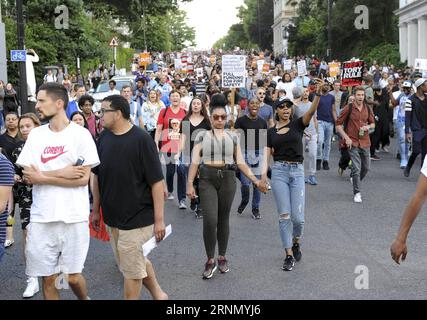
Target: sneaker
{"type": "Point", "coordinates": [241, 208]}
{"type": "Point", "coordinates": [375, 158]}
{"type": "Point", "coordinates": [223, 266]}
{"type": "Point", "coordinates": [32, 287]}
{"type": "Point", "coordinates": [307, 179]}
{"type": "Point", "coordinates": [182, 205]}
{"type": "Point", "coordinates": [255, 214]}
{"type": "Point", "coordinates": [297, 251]}
{"type": "Point", "coordinates": [170, 196]}
{"type": "Point", "coordinates": [199, 214]}
{"type": "Point", "coordinates": [319, 165]}
{"type": "Point", "coordinates": [325, 165]}
{"type": "Point", "coordinates": [193, 205]}
{"type": "Point", "coordinates": [385, 150]}
{"type": "Point", "coordinates": [289, 263]}
{"type": "Point", "coordinates": [312, 180]}
{"type": "Point", "coordinates": [406, 172]}
{"type": "Point", "coordinates": [340, 171]}
{"type": "Point", "coordinates": [358, 198]}
{"type": "Point", "coordinates": [210, 269]}
{"type": "Point", "coordinates": [8, 243]}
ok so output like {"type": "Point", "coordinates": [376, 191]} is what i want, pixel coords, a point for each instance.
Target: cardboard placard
{"type": "Point", "coordinates": [233, 71]}
{"type": "Point", "coordinates": [334, 69]}
{"type": "Point", "coordinates": [302, 68]}
{"type": "Point", "coordinates": [352, 73]}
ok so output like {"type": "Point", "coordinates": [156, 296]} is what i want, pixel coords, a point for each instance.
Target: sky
{"type": "Point", "coordinates": [211, 19]}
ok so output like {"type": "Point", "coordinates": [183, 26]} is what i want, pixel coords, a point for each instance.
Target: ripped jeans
{"type": "Point", "coordinates": [289, 192]}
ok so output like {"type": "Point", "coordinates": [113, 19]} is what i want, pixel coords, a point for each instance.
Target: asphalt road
{"type": "Point", "coordinates": [339, 236]}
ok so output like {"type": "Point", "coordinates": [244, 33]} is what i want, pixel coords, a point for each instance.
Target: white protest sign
{"type": "Point", "coordinates": [178, 65]}
{"type": "Point", "coordinates": [233, 71]}
{"type": "Point", "coordinates": [302, 68]}
{"type": "Point", "coordinates": [199, 72]}
{"type": "Point", "coordinates": [421, 64]}
{"type": "Point", "coordinates": [287, 65]}
{"type": "Point", "coordinates": [260, 65]}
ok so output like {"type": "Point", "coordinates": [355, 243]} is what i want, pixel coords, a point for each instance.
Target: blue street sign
{"type": "Point", "coordinates": [18, 55]}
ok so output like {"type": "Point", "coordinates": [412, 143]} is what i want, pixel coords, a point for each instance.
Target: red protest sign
{"type": "Point", "coordinates": [352, 73]}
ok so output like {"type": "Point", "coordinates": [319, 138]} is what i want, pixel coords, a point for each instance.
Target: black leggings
{"type": "Point", "coordinates": [217, 190]}
{"type": "Point", "coordinates": [417, 148]}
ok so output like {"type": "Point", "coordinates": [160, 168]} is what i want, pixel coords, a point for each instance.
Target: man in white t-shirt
{"type": "Point", "coordinates": [49, 77]}
{"type": "Point", "coordinates": [58, 235]}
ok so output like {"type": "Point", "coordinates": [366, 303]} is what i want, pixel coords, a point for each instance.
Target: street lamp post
{"type": "Point", "coordinates": [22, 68]}
{"type": "Point", "coordinates": [329, 51]}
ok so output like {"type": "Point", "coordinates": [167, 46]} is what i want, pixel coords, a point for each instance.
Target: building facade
{"type": "Point", "coordinates": [412, 30]}
{"type": "Point", "coordinates": [284, 11]}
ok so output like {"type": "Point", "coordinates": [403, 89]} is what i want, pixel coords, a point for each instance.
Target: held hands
{"type": "Point", "coordinates": [261, 186]}
{"type": "Point", "coordinates": [398, 250]}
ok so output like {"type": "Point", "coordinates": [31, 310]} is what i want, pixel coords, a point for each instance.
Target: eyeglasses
{"type": "Point", "coordinates": [261, 94]}
{"type": "Point", "coordinates": [219, 117]}
{"type": "Point", "coordinates": [104, 111]}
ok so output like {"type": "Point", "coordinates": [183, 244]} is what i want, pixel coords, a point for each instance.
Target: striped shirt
{"type": "Point", "coordinates": [6, 179]}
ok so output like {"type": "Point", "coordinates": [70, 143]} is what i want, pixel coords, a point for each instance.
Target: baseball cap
{"type": "Point", "coordinates": [420, 82]}
{"type": "Point", "coordinates": [282, 101]}
{"type": "Point", "coordinates": [407, 84]}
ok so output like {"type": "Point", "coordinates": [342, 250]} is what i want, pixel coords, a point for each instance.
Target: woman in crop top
{"type": "Point", "coordinates": [195, 122]}
{"type": "Point", "coordinates": [217, 152]}
{"type": "Point", "coordinates": [284, 144]}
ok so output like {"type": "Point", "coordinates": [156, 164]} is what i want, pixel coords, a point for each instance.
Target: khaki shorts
{"type": "Point", "coordinates": [127, 248]}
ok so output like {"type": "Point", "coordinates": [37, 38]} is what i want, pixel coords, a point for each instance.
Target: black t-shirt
{"type": "Point", "coordinates": [258, 130]}
{"type": "Point", "coordinates": [202, 126]}
{"type": "Point", "coordinates": [129, 166]}
{"type": "Point", "coordinates": [8, 144]}
{"type": "Point", "coordinates": [287, 147]}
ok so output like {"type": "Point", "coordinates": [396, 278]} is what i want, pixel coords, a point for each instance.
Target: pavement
{"type": "Point", "coordinates": [341, 240]}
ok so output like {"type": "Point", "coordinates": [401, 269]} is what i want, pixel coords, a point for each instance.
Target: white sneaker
{"type": "Point", "coordinates": [358, 198]}
{"type": "Point", "coordinates": [32, 287]}
{"type": "Point", "coordinates": [8, 243]}
{"type": "Point", "coordinates": [182, 205]}
{"type": "Point", "coordinates": [170, 196]}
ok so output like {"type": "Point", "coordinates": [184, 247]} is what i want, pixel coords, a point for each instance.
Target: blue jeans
{"type": "Point", "coordinates": [171, 168]}
{"type": "Point", "coordinates": [326, 130]}
{"type": "Point", "coordinates": [403, 146]}
{"type": "Point", "coordinates": [254, 160]}
{"type": "Point", "coordinates": [289, 192]}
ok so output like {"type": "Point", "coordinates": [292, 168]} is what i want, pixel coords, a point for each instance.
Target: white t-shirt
{"type": "Point", "coordinates": [50, 151]}
{"type": "Point", "coordinates": [424, 168]}
{"type": "Point", "coordinates": [288, 87]}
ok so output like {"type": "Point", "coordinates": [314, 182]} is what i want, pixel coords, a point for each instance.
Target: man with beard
{"type": "Point", "coordinates": [58, 238]}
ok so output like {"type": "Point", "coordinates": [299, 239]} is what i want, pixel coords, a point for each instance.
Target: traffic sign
{"type": "Point", "coordinates": [114, 42]}
{"type": "Point", "coordinates": [18, 55]}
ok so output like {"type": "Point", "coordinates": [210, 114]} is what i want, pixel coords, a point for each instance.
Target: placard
{"type": "Point", "coordinates": [233, 71]}
{"type": "Point", "coordinates": [302, 68]}
{"type": "Point", "coordinates": [334, 69]}
{"type": "Point", "coordinates": [352, 73]}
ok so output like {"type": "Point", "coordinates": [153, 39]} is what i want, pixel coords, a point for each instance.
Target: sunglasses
{"type": "Point", "coordinates": [219, 117]}
{"type": "Point", "coordinates": [283, 106]}
{"type": "Point", "coordinates": [261, 94]}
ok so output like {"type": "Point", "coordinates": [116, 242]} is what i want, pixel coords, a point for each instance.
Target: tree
{"type": "Point", "coordinates": [254, 28]}
{"type": "Point", "coordinates": [309, 36]}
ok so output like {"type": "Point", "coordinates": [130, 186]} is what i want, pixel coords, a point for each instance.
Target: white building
{"type": "Point", "coordinates": [284, 11]}
{"type": "Point", "coordinates": [412, 30]}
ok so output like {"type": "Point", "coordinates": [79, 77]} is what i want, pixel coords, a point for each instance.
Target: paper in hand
{"type": "Point", "coordinates": [152, 243]}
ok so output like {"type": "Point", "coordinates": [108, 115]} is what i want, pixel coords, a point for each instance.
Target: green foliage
{"type": "Point", "coordinates": [92, 24]}
{"type": "Point", "coordinates": [384, 53]}
{"type": "Point", "coordinates": [310, 33]}
{"type": "Point", "coordinates": [254, 29]}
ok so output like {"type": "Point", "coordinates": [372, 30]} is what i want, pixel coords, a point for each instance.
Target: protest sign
{"type": "Point", "coordinates": [233, 71]}
{"type": "Point", "coordinates": [352, 73]}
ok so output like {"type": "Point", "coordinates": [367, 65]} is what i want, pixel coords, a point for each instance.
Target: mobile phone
{"type": "Point", "coordinates": [80, 161]}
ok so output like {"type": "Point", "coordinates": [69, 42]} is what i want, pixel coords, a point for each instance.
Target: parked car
{"type": "Point", "coordinates": [101, 91]}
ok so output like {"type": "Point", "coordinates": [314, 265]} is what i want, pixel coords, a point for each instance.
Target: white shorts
{"type": "Point", "coordinates": [56, 247]}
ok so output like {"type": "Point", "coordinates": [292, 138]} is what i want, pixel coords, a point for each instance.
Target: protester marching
{"type": "Point", "coordinates": [212, 118]}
